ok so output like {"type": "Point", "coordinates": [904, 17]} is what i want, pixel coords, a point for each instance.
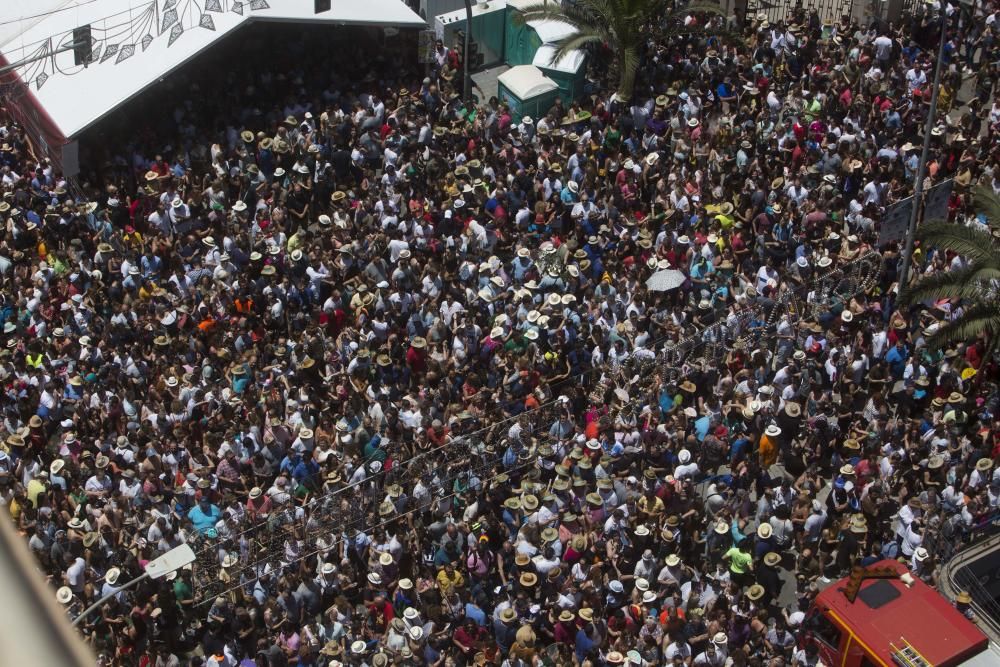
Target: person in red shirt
{"type": "Point", "coordinates": [469, 638]}
{"type": "Point", "coordinates": [564, 631]}
{"type": "Point", "coordinates": [415, 355]}
{"type": "Point", "coordinates": [437, 433]}
{"type": "Point", "coordinates": [974, 354]}
{"type": "Point", "coordinates": [381, 613]}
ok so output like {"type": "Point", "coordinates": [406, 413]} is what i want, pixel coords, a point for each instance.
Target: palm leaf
{"type": "Point", "coordinates": [980, 319]}
{"type": "Point", "coordinates": [701, 8]}
{"type": "Point", "coordinates": [971, 283]}
{"type": "Point", "coordinates": [974, 244]}
{"type": "Point", "coordinates": [567, 45]}
{"type": "Point", "coordinates": [943, 285]}
{"type": "Point", "coordinates": [572, 16]}
{"type": "Point", "coordinates": [988, 202]}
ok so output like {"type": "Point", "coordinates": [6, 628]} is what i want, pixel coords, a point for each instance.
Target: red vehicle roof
{"type": "Point", "coordinates": [919, 614]}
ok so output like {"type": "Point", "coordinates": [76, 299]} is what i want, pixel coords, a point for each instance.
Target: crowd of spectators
{"type": "Point", "coordinates": [389, 360]}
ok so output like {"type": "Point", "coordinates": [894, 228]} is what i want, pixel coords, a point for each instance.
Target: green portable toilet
{"type": "Point", "coordinates": [522, 39]}
{"type": "Point", "coordinates": [527, 91]}
{"type": "Point", "coordinates": [568, 72]}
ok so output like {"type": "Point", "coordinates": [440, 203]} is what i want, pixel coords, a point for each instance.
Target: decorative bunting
{"type": "Point", "coordinates": [238, 7]}
{"type": "Point", "coordinates": [175, 33]}
{"type": "Point", "coordinates": [169, 4]}
{"type": "Point", "coordinates": [95, 54]}
{"type": "Point", "coordinates": [146, 41]}
{"type": "Point", "coordinates": [259, 4]}
{"type": "Point", "coordinates": [41, 79]}
{"type": "Point", "coordinates": [110, 52]}
{"type": "Point", "coordinates": [125, 53]}
{"type": "Point", "coordinates": [169, 18]}
{"type": "Point", "coordinates": [207, 22]}
{"type": "Point", "coordinates": [213, 6]}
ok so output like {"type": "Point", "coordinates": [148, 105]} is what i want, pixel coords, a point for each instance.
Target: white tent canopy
{"type": "Point", "coordinates": [140, 41]}
{"type": "Point", "coordinates": [526, 81]}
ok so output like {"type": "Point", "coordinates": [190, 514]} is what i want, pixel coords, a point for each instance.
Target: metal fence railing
{"type": "Point", "coordinates": [290, 535]}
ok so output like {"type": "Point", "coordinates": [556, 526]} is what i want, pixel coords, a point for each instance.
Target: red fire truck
{"type": "Point", "coordinates": [881, 616]}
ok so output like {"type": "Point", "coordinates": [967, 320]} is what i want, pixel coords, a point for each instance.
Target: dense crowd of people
{"type": "Point", "coordinates": [409, 340]}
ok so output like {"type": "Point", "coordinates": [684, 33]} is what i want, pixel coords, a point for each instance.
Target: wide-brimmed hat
{"type": "Point", "coordinates": [755, 592]}
{"type": "Point", "coordinates": [764, 531]}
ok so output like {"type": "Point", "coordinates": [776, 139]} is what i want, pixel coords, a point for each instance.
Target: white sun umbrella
{"type": "Point", "coordinates": [665, 280]}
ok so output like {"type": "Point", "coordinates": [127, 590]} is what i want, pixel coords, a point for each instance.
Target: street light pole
{"type": "Point", "coordinates": [100, 603]}
{"type": "Point", "coordinates": [918, 185]}
{"type": "Point", "coordinates": [171, 561]}
{"type": "Point", "coordinates": [466, 91]}
{"type": "Point", "coordinates": [28, 61]}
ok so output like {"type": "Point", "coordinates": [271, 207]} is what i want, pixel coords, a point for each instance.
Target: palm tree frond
{"type": "Point", "coordinates": [974, 244]}
{"type": "Point", "coordinates": [988, 202]}
{"type": "Point", "coordinates": [567, 45]}
{"type": "Point", "coordinates": [572, 16]}
{"type": "Point", "coordinates": [943, 285]}
{"type": "Point", "coordinates": [983, 318]}
{"type": "Point", "coordinates": [701, 8]}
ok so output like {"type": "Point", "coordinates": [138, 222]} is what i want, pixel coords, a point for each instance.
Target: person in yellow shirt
{"type": "Point", "coordinates": [448, 579]}
{"type": "Point", "coordinates": [35, 488]}
{"type": "Point", "coordinates": [650, 506]}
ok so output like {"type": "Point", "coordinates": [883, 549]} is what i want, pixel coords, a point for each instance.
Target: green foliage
{"type": "Point", "coordinates": [977, 284]}
{"type": "Point", "coordinates": [621, 24]}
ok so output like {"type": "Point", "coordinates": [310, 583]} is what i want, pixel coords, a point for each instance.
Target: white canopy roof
{"type": "Point", "coordinates": [571, 62]}
{"type": "Point", "coordinates": [526, 81]}
{"type": "Point", "coordinates": [140, 41]}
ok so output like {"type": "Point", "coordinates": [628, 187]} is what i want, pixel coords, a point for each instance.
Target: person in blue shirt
{"type": "Point", "coordinates": [568, 194]}
{"type": "Point", "coordinates": [739, 450]}
{"type": "Point", "coordinates": [584, 643]}
{"type": "Point", "coordinates": [373, 452]}
{"type": "Point", "coordinates": [701, 426]}
{"type": "Point", "coordinates": [475, 613]}
{"type": "Point", "coordinates": [896, 358]}
{"type": "Point", "coordinates": [240, 379]}
{"type": "Point", "coordinates": [289, 462]}
{"type": "Point", "coordinates": [204, 516]}
{"type": "Point", "coordinates": [306, 472]}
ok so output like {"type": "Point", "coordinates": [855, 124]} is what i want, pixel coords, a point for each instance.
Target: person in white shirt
{"type": "Point", "coordinates": [915, 78]}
